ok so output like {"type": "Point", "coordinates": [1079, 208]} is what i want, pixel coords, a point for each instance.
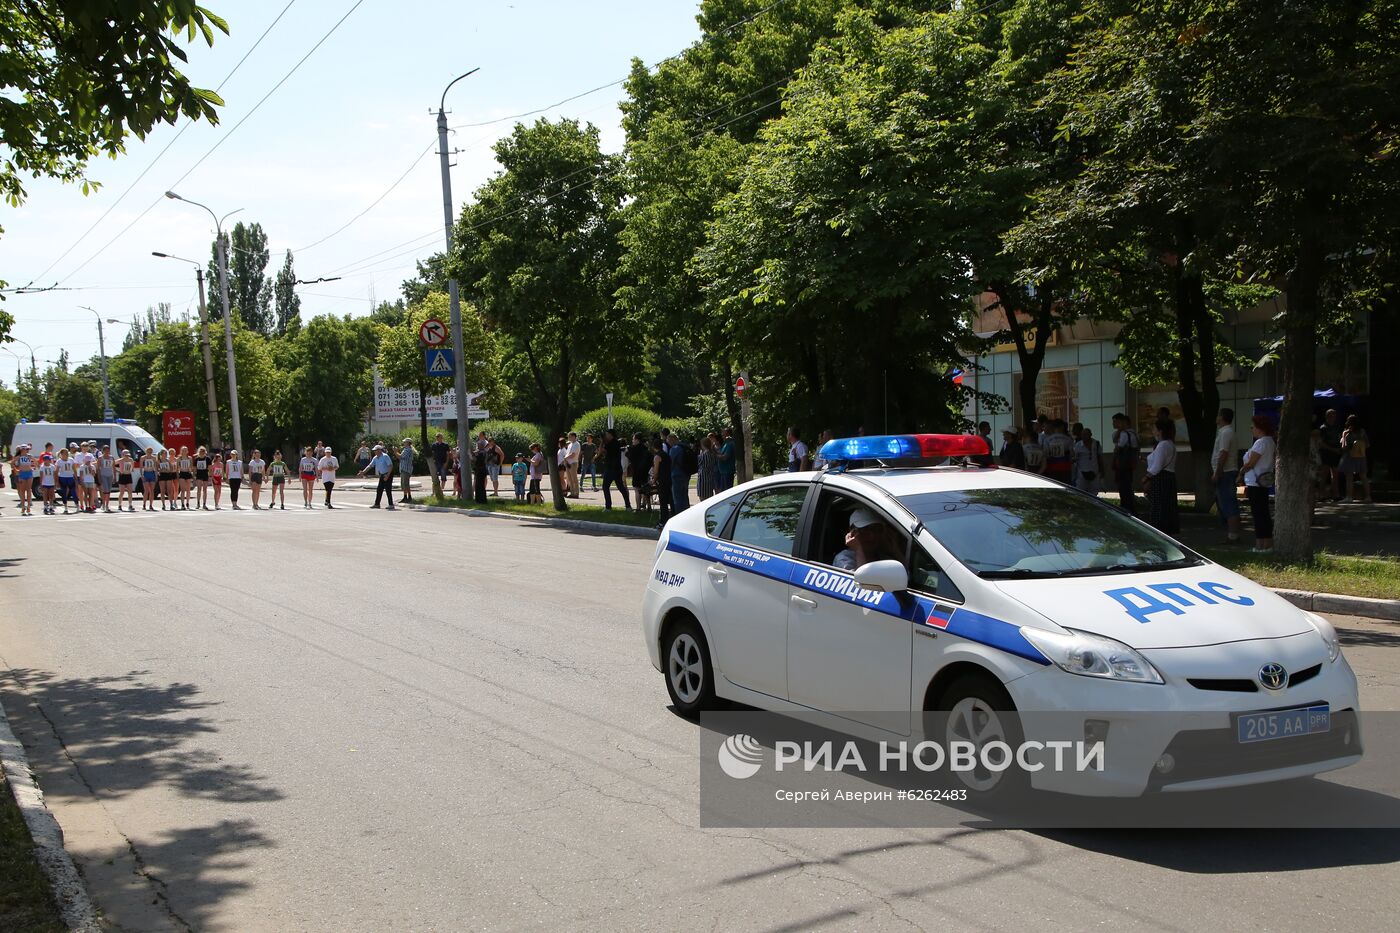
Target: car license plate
{"type": "Point", "coordinates": [1283, 723]}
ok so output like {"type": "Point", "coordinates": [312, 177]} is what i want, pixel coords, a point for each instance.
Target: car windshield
{"type": "Point", "coordinates": [1042, 532]}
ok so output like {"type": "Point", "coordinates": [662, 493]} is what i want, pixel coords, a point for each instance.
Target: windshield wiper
{"type": "Point", "coordinates": [1129, 568]}
{"type": "Point", "coordinates": [1021, 573]}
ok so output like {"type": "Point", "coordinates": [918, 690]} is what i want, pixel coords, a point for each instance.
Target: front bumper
{"type": "Point", "coordinates": [1142, 723]}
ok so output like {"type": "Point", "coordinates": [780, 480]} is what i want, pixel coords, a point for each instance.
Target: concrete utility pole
{"type": "Point", "coordinates": [107, 413]}
{"type": "Point", "coordinates": [215, 437]}
{"type": "Point", "coordinates": [222, 245]}
{"type": "Point", "coordinates": [459, 378]}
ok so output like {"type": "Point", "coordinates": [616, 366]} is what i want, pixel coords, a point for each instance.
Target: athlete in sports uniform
{"type": "Point", "coordinates": [201, 479]}
{"type": "Point", "coordinates": [256, 466]}
{"type": "Point", "coordinates": [216, 476]}
{"type": "Point", "coordinates": [149, 465]}
{"type": "Point", "coordinates": [308, 478]}
{"type": "Point", "coordinates": [277, 469]}
{"type": "Point", "coordinates": [126, 467]}
{"type": "Point", "coordinates": [184, 477]}
{"type": "Point", "coordinates": [22, 473]}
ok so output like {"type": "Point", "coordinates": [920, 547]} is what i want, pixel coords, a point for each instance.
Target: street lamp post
{"type": "Point", "coordinates": [215, 437]}
{"type": "Point", "coordinates": [107, 413]}
{"type": "Point", "coordinates": [228, 314]}
{"type": "Point", "coordinates": [459, 377]}
{"type": "Point", "coordinates": [19, 365]}
{"type": "Point", "coordinates": [33, 367]}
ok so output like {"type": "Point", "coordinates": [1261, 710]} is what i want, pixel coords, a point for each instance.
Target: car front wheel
{"type": "Point", "coordinates": [977, 710]}
{"type": "Point", "coordinates": [690, 678]}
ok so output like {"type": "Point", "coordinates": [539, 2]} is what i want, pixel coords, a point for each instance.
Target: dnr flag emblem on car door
{"type": "Point", "coordinates": [938, 616]}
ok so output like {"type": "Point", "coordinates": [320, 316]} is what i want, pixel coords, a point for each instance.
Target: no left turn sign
{"type": "Point", "coordinates": [433, 333]}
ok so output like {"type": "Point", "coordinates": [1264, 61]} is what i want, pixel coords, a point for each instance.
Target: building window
{"type": "Point", "coordinates": [1056, 394]}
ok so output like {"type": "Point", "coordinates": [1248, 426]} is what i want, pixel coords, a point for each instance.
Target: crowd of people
{"type": "Point", "coordinates": [657, 472]}
{"type": "Point", "coordinates": [87, 478]}
{"type": "Point", "coordinates": [1071, 454]}
{"type": "Point", "coordinates": [648, 473]}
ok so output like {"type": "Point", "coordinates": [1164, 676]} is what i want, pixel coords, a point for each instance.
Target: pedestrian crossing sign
{"type": "Point", "coordinates": [438, 361]}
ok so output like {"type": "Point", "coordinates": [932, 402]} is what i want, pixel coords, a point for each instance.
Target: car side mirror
{"type": "Point", "coordinates": [886, 576]}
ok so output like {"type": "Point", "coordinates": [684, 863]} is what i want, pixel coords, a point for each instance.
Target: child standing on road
{"type": "Point", "coordinates": [216, 476]}
{"type": "Point", "coordinates": [233, 468]}
{"type": "Point", "coordinates": [23, 476]}
{"type": "Point", "coordinates": [256, 466]}
{"type": "Point", "coordinates": [201, 479]}
{"type": "Point", "coordinates": [519, 471]}
{"type": "Point", "coordinates": [278, 470]}
{"type": "Point", "coordinates": [126, 467]}
{"type": "Point", "coordinates": [48, 475]}
{"type": "Point", "coordinates": [308, 477]}
{"type": "Point", "coordinates": [149, 464]}
{"type": "Point", "coordinates": [328, 465]}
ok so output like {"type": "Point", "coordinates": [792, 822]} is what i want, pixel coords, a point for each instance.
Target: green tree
{"type": "Point", "coordinates": [430, 277]}
{"type": "Point", "coordinates": [323, 384]}
{"type": "Point", "coordinates": [80, 77]}
{"type": "Point", "coordinates": [249, 290]}
{"type": "Point", "coordinates": [10, 413]}
{"type": "Point", "coordinates": [537, 249]}
{"type": "Point", "coordinates": [689, 124]}
{"type": "Point", "coordinates": [286, 302]}
{"type": "Point", "coordinates": [130, 374]}
{"type": "Point", "coordinates": [838, 266]}
{"type": "Point", "coordinates": [1237, 144]}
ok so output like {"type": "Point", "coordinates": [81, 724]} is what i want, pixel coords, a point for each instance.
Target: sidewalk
{"type": "Point", "coordinates": [1371, 529]}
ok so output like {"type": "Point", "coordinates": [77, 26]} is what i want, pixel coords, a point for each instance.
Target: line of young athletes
{"type": "Point", "coordinates": [88, 478]}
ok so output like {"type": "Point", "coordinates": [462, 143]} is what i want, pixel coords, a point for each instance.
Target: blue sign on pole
{"type": "Point", "coordinates": [439, 361]}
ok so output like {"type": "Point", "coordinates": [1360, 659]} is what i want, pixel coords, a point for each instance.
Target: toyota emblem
{"type": "Point", "coordinates": [1273, 676]}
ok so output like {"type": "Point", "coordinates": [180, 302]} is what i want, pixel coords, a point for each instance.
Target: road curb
{"type": "Point", "coordinates": [1385, 609]}
{"type": "Point", "coordinates": [603, 528]}
{"type": "Point", "coordinates": [69, 890]}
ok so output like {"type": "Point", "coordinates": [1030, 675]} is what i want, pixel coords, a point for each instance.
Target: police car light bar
{"type": "Point", "coordinates": [903, 447]}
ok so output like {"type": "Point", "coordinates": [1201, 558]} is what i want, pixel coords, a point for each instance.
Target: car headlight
{"type": "Point", "coordinates": [1328, 633]}
{"type": "Point", "coordinates": [1093, 655]}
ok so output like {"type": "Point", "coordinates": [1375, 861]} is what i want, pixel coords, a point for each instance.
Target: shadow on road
{"type": "Point", "coordinates": [111, 737]}
{"type": "Point", "coordinates": [1218, 851]}
{"type": "Point", "coordinates": [6, 563]}
{"type": "Point", "coordinates": [1368, 638]}
{"type": "Point", "coordinates": [126, 734]}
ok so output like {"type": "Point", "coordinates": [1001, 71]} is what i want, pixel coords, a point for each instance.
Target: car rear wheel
{"type": "Point", "coordinates": [977, 709]}
{"type": "Point", "coordinates": [690, 678]}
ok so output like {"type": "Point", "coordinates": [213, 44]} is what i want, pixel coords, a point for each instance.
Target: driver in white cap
{"type": "Point", "coordinates": [868, 539]}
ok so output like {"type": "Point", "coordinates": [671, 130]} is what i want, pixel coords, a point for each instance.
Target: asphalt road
{"type": "Point", "coordinates": [356, 720]}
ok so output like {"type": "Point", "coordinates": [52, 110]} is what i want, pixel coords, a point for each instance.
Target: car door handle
{"type": "Point", "coordinates": [804, 602]}
{"type": "Point", "coordinates": [717, 574]}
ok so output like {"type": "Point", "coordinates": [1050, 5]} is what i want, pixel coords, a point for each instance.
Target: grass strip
{"type": "Point", "coordinates": [1346, 574]}
{"type": "Point", "coordinates": [25, 901]}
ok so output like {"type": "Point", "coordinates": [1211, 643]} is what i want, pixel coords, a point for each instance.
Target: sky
{"type": "Point", "coordinates": [359, 113]}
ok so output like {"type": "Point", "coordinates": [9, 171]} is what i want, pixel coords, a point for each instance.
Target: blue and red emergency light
{"type": "Point", "coordinates": [903, 447]}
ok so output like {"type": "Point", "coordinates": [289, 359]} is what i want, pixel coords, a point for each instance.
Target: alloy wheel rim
{"type": "Point", "coordinates": [687, 668]}
{"type": "Point", "coordinates": [972, 719]}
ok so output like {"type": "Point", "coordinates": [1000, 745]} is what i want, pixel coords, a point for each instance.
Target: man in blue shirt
{"type": "Point", "coordinates": [383, 466]}
{"type": "Point", "coordinates": [680, 476]}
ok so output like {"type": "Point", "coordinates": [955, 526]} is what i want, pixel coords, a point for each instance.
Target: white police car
{"type": "Point", "coordinates": [998, 591]}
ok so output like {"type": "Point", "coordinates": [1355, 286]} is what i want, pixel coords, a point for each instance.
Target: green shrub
{"type": "Point", "coordinates": [515, 437]}
{"type": "Point", "coordinates": [627, 421]}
